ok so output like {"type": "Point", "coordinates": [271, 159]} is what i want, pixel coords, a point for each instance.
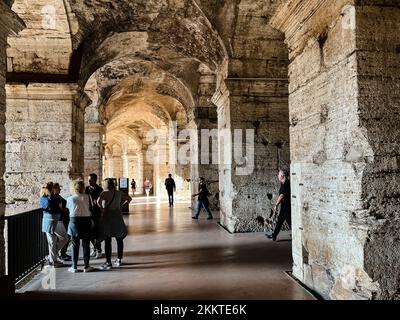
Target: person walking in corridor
{"type": "Point", "coordinates": [80, 226]}
{"type": "Point", "coordinates": [147, 186]}
{"type": "Point", "coordinates": [171, 188]}
{"type": "Point", "coordinates": [133, 186]}
{"type": "Point", "coordinates": [94, 190]}
{"type": "Point", "coordinates": [52, 223]}
{"type": "Point", "coordinates": [113, 225]}
{"type": "Point", "coordinates": [202, 200]}
{"type": "Point", "coordinates": [284, 201]}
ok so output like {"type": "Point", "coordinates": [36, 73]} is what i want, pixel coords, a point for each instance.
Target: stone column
{"type": "Point", "coordinates": [140, 179]}
{"type": "Point", "coordinates": [93, 149]}
{"type": "Point", "coordinates": [110, 166]}
{"type": "Point", "coordinates": [148, 169]}
{"type": "Point", "coordinates": [125, 165]}
{"type": "Point", "coordinates": [206, 120]}
{"type": "Point", "coordinates": [10, 24]}
{"type": "Point", "coordinates": [44, 133]}
{"type": "Point", "coordinates": [117, 166]}
{"type": "Point", "coordinates": [132, 160]}
{"type": "Point", "coordinates": [344, 102]}
{"type": "Point", "coordinates": [253, 123]}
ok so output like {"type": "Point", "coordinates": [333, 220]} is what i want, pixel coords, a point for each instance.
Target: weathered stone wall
{"type": "Point", "coordinates": [9, 24]}
{"type": "Point", "coordinates": [93, 149]}
{"type": "Point", "coordinates": [343, 101]}
{"type": "Point", "coordinates": [44, 134]}
{"type": "Point", "coordinates": [258, 100]}
{"type": "Point", "coordinates": [44, 46]}
{"type": "Point", "coordinates": [378, 67]}
{"type": "Point", "coordinates": [205, 119]}
{"type": "Point", "coordinates": [327, 158]}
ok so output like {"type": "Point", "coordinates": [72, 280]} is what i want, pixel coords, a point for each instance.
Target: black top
{"type": "Point", "coordinates": [55, 200]}
{"type": "Point", "coordinates": [285, 190]}
{"type": "Point", "coordinates": [94, 193]}
{"type": "Point", "coordinates": [170, 184]}
{"type": "Point", "coordinates": [133, 184]}
{"type": "Point", "coordinates": [203, 193]}
{"type": "Point", "coordinates": [64, 213]}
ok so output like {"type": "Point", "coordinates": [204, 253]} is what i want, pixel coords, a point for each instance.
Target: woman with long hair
{"type": "Point", "coordinates": [80, 225]}
{"type": "Point", "coordinates": [112, 223]}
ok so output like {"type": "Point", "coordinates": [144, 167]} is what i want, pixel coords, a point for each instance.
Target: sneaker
{"type": "Point", "coordinates": [106, 266]}
{"type": "Point", "coordinates": [271, 236]}
{"type": "Point", "coordinates": [195, 218]}
{"type": "Point", "coordinates": [210, 218]}
{"type": "Point", "coordinates": [117, 263]}
{"type": "Point", "coordinates": [99, 255]}
{"type": "Point", "coordinates": [89, 269]}
{"type": "Point", "coordinates": [73, 270]}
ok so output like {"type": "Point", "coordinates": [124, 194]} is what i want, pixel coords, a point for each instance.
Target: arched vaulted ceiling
{"type": "Point", "coordinates": [163, 31]}
{"type": "Point", "coordinates": [123, 82]}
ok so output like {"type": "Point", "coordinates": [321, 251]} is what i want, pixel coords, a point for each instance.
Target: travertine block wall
{"type": "Point", "coordinates": [206, 119]}
{"type": "Point", "coordinates": [44, 133]}
{"type": "Point", "coordinates": [260, 105]}
{"type": "Point", "coordinates": [93, 149]}
{"type": "Point", "coordinates": [378, 60]}
{"type": "Point", "coordinates": [343, 100]}
{"type": "Point", "coordinates": [44, 46]}
{"type": "Point", "coordinates": [257, 89]}
{"type": "Point", "coordinates": [9, 24]}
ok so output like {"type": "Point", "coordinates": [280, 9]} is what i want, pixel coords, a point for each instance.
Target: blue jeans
{"type": "Point", "coordinates": [201, 204]}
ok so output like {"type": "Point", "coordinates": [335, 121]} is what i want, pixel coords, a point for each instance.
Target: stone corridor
{"type": "Point", "coordinates": [308, 86]}
{"type": "Point", "coordinates": [169, 256]}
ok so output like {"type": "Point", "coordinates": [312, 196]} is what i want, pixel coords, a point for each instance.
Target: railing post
{"type": "Point", "coordinates": [7, 283]}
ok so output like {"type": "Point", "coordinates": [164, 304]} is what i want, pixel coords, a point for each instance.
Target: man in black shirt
{"type": "Point", "coordinates": [133, 186]}
{"type": "Point", "coordinates": [202, 200]}
{"type": "Point", "coordinates": [94, 190]}
{"type": "Point", "coordinates": [284, 201]}
{"type": "Point", "coordinates": [171, 187]}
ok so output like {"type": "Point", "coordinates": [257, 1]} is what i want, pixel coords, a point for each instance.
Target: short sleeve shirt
{"type": "Point", "coordinates": [79, 205]}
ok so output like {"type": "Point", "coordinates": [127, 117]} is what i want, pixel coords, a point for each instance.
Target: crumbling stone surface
{"type": "Point", "coordinates": [256, 82]}
{"type": "Point", "coordinates": [378, 62]}
{"type": "Point", "coordinates": [44, 46]}
{"type": "Point", "coordinates": [10, 24]}
{"type": "Point", "coordinates": [344, 181]}
{"type": "Point", "coordinates": [317, 81]}
{"type": "Point", "coordinates": [44, 133]}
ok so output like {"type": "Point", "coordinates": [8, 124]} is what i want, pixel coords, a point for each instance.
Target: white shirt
{"type": "Point", "coordinates": [78, 205]}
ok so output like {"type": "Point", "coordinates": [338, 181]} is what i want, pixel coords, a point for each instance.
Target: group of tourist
{"type": "Point", "coordinates": [93, 215]}
{"type": "Point", "coordinates": [89, 215]}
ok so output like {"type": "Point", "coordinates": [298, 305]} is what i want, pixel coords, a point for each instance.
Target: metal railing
{"type": "Point", "coordinates": [26, 243]}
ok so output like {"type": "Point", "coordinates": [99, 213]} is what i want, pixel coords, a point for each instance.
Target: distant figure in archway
{"type": "Point", "coordinates": [133, 186]}
{"type": "Point", "coordinates": [171, 188]}
{"type": "Point", "coordinates": [284, 201]}
{"type": "Point", "coordinates": [202, 200]}
{"type": "Point", "coordinates": [147, 186]}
